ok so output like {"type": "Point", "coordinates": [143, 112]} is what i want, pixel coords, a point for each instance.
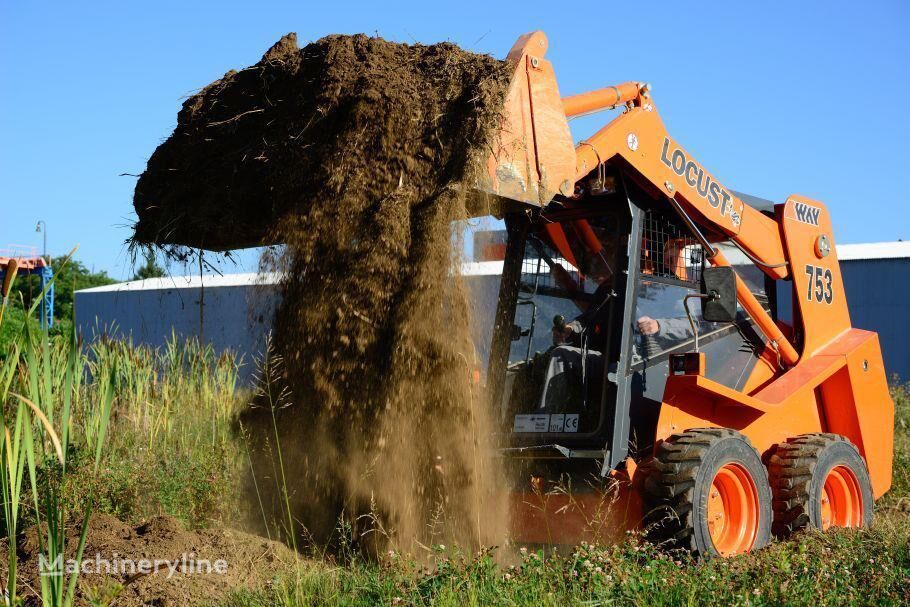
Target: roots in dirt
{"type": "Point", "coordinates": [356, 153]}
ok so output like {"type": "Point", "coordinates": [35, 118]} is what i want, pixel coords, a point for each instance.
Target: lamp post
{"type": "Point", "coordinates": [41, 227]}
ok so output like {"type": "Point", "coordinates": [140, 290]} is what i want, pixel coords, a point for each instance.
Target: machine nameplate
{"type": "Point", "coordinates": [540, 423]}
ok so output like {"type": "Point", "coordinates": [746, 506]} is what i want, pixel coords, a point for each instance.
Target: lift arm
{"type": "Point", "coordinates": [639, 137]}
{"type": "Point", "coordinates": [529, 163]}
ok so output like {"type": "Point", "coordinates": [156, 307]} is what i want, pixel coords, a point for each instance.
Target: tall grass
{"type": "Point", "coordinates": [38, 403]}
{"type": "Point", "coordinates": [109, 426]}
{"type": "Point", "coordinates": [172, 448]}
{"type": "Point", "coordinates": [182, 396]}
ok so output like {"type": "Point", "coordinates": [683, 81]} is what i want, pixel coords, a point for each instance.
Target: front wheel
{"type": "Point", "coordinates": [708, 492]}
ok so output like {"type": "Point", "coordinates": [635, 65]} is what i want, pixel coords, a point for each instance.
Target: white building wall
{"type": "Point", "coordinates": [236, 314]}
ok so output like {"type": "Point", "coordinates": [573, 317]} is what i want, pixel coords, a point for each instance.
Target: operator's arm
{"type": "Point", "coordinates": [671, 329]}
{"type": "Point", "coordinates": [674, 329]}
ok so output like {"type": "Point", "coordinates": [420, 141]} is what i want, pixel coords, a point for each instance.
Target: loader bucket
{"type": "Point", "coordinates": [601, 515]}
{"type": "Point", "coordinates": [532, 157]}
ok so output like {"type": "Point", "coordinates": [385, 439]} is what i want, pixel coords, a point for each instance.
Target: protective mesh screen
{"type": "Point", "coordinates": [668, 250]}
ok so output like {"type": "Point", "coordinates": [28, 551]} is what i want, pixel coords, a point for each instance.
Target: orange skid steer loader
{"type": "Point", "coordinates": [700, 348]}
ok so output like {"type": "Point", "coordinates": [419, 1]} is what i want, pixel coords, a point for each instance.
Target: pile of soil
{"type": "Point", "coordinates": [302, 125]}
{"type": "Point", "coordinates": [251, 562]}
{"type": "Point", "coordinates": [357, 153]}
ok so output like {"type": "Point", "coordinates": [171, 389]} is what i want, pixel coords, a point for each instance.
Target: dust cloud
{"type": "Point", "coordinates": [357, 154]}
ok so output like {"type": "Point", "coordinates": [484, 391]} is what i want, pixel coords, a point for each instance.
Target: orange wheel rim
{"type": "Point", "coordinates": [733, 511]}
{"type": "Point", "coordinates": [841, 499]}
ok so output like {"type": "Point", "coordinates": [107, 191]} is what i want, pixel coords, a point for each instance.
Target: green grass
{"type": "Point", "coordinates": [846, 567]}
{"type": "Point", "coordinates": [170, 448]}
{"type": "Point", "coordinates": [899, 496]}
{"type": "Point", "coordinates": [44, 417]}
{"type": "Point", "coordinates": [112, 428]}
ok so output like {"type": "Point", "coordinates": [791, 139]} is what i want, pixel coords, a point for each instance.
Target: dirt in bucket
{"type": "Point", "coordinates": [357, 154]}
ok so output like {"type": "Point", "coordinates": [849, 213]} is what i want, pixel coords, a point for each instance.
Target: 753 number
{"type": "Point", "coordinates": [819, 282]}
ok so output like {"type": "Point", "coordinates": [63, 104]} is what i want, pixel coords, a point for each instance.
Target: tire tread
{"type": "Point", "coordinates": [791, 468]}
{"type": "Point", "coordinates": [669, 489]}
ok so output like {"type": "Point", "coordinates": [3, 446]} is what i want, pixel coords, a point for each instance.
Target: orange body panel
{"type": "Point", "coordinates": [818, 289]}
{"type": "Point", "coordinates": [842, 389]}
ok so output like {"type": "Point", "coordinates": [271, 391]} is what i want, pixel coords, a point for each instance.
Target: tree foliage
{"type": "Point", "coordinates": [150, 269]}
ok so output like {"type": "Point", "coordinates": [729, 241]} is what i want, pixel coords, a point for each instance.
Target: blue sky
{"type": "Point", "coordinates": [773, 97]}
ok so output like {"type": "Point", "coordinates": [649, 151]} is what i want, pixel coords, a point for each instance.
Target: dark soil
{"type": "Point", "coordinates": [357, 153]}
{"type": "Point", "coordinates": [294, 130]}
{"type": "Point", "coordinates": [252, 562]}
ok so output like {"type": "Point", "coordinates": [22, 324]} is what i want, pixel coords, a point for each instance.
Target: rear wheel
{"type": "Point", "coordinates": [708, 492]}
{"type": "Point", "coordinates": [819, 481]}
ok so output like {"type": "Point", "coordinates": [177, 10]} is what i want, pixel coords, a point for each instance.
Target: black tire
{"type": "Point", "coordinates": [679, 482]}
{"type": "Point", "coordinates": [798, 469]}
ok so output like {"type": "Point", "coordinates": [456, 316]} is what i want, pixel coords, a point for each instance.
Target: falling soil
{"type": "Point", "coordinates": [249, 562]}
{"type": "Point", "coordinates": [357, 153]}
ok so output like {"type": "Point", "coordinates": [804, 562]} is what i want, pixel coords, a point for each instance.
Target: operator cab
{"type": "Point", "coordinates": [591, 308]}
{"type": "Point", "coordinates": [571, 266]}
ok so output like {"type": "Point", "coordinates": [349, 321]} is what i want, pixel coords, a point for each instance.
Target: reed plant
{"type": "Point", "coordinates": [39, 399]}
{"type": "Point", "coordinates": [112, 426]}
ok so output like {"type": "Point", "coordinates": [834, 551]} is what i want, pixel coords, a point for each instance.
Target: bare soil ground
{"type": "Point", "coordinates": [252, 561]}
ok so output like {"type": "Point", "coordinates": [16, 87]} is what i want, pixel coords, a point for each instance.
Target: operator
{"type": "Point", "coordinates": [591, 321]}
{"type": "Point", "coordinates": [575, 361]}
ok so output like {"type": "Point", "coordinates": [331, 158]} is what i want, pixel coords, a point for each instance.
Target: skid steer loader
{"type": "Point", "coordinates": [692, 343]}
{"type": "Point", "coordinates": [688, 345]}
